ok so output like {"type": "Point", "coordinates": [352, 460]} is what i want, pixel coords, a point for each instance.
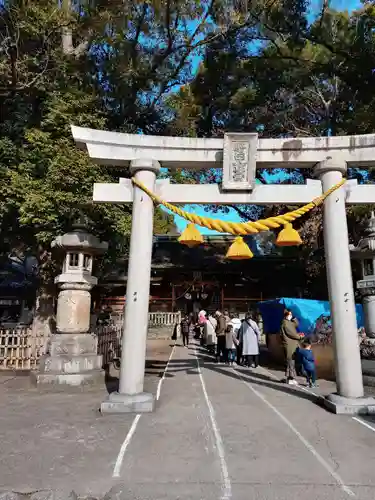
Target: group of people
{"type": "Point", "coordinates": [297, 352]}
{"type": "Point", "coordinates": [232, 340]}
{"type": "Point", "coordinates": [226, 336]}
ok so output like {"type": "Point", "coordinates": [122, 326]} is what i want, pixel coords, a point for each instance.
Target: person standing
{"type": "Point", "coordinates": [210, 333]}
{"type": "Point", "coordinates": [236, 325]}
{"type": "Point", "coordinates": [202, 320]}
{"type": "Point", "coordinates": [235, 322]}
{"type": "Point", "coordinates": [202, 317]}
{"type": "Point", "coordinates": [306, 356]}
{"type": "Point", "coordinates": [220, 335]}
{"type": "Point", "coordinates": [290, 339]}
{"type": "Point", "coordinates": [230, 344]}
{"type": "Point", "coordinates": [249, 337]}
{"type": "Point", "coordinates": [227, 316]}
{"type": "Point", "coordinates": [185, 329]}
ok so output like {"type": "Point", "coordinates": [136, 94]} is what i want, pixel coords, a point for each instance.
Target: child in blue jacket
{"type": "Point", "coordinates": [307, 360]}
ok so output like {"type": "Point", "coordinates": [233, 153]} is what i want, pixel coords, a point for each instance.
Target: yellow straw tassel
{"type": "Point", "coordinates": [288, 237]}
{"type": "Point", "coordinates": [239, 250]}
{"type": "Point", "coordinates": [190, 236]}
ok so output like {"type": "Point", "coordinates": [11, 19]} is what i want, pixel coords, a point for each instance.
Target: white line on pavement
{"type": "Point", "coordinates": [226, 486]}
{"type": "Point", "coordinates": [357, 419]}
{"type": "Point", "coordinates": [291, 387]}
{"type": "Point", "coordinates": [303, 440]}
{"type": "Point", "coordinates": [164, 373]}
{"type": "Point", "coordinates": [360, 421]}
{"type": "Point", "coordinates": [125, 444]}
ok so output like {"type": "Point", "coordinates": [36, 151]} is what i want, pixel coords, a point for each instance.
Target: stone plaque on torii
{"type": "Point", "coordinates": [239, 155]}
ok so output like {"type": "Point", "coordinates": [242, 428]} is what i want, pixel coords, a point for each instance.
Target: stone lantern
{"type": "Point", "coordinates": [365, 253]}
{"type": "Point", "coordinates": [72, 357]}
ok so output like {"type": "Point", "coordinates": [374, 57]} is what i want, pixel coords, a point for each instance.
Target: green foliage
{"type": "Point", "coordinates": [46, 182]}
{"type": "Point", "coordinates": [129, 66]}
{"type": "Point", "coordinates": [298, 80]}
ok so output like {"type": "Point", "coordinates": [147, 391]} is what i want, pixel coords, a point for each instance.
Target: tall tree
{"type": "Point", "coordinates": [301, 80]}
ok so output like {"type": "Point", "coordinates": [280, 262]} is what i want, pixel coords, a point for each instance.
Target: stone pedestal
{"type": "Point", "coordinates": [73, 307]}
{"type": "Point", "coordinates": [349, 406]}
{"type": "Point", "coordinates": [368, 302]}
{"type": "Point", "coordinates": [71, 360]}
{"type": "Point", "coordinates": [142, 402]}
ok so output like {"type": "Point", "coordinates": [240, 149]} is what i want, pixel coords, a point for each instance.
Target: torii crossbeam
{"type": "Point", "coordinates": [239, 155]}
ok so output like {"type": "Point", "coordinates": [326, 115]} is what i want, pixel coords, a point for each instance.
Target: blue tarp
{"type": "Point", "coordinates": [306, 311]}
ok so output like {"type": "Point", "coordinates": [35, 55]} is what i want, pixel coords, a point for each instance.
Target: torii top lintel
{"type": "Point", "coordinates": [118, 149]}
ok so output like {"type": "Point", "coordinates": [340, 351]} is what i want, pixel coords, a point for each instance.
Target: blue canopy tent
{"type": "Point", "coordinates": [306, 311]}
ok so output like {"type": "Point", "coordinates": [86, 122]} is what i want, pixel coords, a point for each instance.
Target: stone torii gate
{"type": "Point", "coordinates": [239, 155]}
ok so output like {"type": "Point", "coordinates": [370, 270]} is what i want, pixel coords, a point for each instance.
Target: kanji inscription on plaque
{"type": "Point", "coordinates": [239, 157]}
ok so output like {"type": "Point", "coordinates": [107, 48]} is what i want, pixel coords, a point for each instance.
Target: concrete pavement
{"type": "Point", "coordinates": [217, 433]}
{"type": "Point", "coordinates": [251, 437]}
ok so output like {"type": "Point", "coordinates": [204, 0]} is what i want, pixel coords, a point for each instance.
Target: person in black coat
{"type": "Point", "coordinates": [185, 329]}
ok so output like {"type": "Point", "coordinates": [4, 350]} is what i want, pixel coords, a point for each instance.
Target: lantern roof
{"type": "Point", "coordinates": [80, 239]}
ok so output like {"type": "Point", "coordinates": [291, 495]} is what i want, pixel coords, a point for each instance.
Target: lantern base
{"type": "Point", "coordinates": [65, 381]}
{"type": "Point", "coordinates": [71, 361]}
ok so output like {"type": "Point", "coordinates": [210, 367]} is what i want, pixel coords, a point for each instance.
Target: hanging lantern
{"type": "Point", "coordinates": [190, 236]}
{"type": "Point", "coordinates": [239, 250]}
{"type": "Point", "coordinates": [288, 237]}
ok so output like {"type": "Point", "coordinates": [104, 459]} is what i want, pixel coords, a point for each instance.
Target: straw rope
{"type": "Point", "coordinates": [240, 228]}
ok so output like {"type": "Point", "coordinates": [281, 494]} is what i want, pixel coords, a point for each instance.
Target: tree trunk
{"type": "Point", "coordinates": [44, 322]}
{"type": "Point", "coordinates": [66, 33]}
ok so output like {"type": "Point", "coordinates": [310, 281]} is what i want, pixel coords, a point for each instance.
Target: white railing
{"type": "Point", "coordinates": [155, 318]}
{"type": "Point", "coordinates": [21, 348]}
{"type": "Point", "coordinates": [164, 318]}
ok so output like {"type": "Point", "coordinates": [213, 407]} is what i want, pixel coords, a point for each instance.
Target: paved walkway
{"type": "Point", "coordinates": [217, 433]}
{"type": "Point", "coordinates": [220, 433]}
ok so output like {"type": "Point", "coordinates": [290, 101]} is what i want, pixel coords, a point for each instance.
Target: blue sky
{"type": "Point", "coordinates": [342, 4]}
{"type": "Point", "coordinates": [232, 215]}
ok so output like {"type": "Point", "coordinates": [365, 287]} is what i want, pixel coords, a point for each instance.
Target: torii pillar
{"type": "Point", "coordinates": [131, 396]}
{"type": "Point", "coordinates": [341, 294]}
{"type": "Point", "coordinates": [239, 154]}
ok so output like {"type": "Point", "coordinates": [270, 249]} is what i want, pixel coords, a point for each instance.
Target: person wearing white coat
{"type": "Point", "coordinates": [249, 337]}
{"type": "Point", "coordinates": [235, 322]}
{"type": "Point", "coordinates": [210, 333]}
{"type": "Point", "coordinates": [231, 338]}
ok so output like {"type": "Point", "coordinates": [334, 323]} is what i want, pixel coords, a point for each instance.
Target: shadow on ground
{"type": "Point", "coordinates": [189, 366]}
{"type": "Point", "coordinates": [155, 369]}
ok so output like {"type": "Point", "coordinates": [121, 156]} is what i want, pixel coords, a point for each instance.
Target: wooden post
{"type": "Point", "coordinates": [173, 297]}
